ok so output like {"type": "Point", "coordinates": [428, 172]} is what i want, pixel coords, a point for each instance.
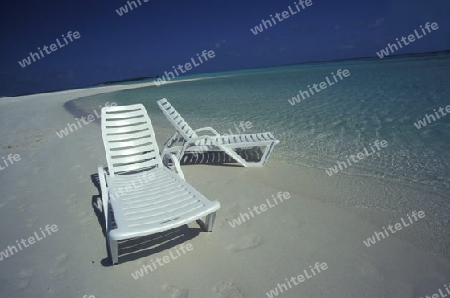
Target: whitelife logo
{"type": "Point", "coordinates": [53, 48]}
{"type": "Point", "coordinates": [441, 293]}
{"type": "Point", "coordinates": [10, 158]}
{"type": "Point", "coordinates": [284, 15]}
{"type": "Point", "coordinates": [422, 123]}
{"type": "Point", "coordinates": [144, 179]}
{"type": "Point", "coordinates": [11, 250]}
{"type": "Point", "coordinates": [187, 67]}
{"type": "Point", "coordinates": [262, 208]}
{"type": "Point", "coordinates": [124, 9]}
{"type": "Point", "coordinates": [359, 155]}
{"type": "Point", "coordinates": [322, 85]}
{"type": "Point", "coordinates": [281, 287]}
{"type": "Point", "coordinates": [411, 38]}
{"type": "Point", "coordinates": [90, 118]}
{"type": "Point", "coordinates": [398, 226]}
{"type": "Point", "coordinates": [165, 260]}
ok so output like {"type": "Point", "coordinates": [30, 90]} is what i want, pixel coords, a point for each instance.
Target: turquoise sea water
{"type": "Point", "coordinates": [380, 100]}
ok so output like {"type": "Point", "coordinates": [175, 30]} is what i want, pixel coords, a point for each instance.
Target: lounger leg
{"type": "Point", "coordinates": [114, 250]}
{"type": "Point", "coordinates": [210, 221]}
{"type": "Point", "coordinates": [266, 154]}
{"type": "Point", "coordinates": [230, 152]}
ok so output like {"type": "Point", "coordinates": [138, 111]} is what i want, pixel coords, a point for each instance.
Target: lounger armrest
{"type": "Point", "coordinates": [193, 140]}
{"type": "Point", "coordinates": [105, 194]}
{"type": "Point", "coordinates": [104, 188]}
{"type": "Point", "coordinates": [176, 163]}
{"type": "Point", "coordinates": [208, 129]}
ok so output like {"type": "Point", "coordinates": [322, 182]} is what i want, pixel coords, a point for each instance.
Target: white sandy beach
{"type": "Point", "coordinates": [325, 220]}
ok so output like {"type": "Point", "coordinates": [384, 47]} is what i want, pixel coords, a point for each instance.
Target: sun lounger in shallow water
{"type": "Point", "coordinates": [163, 201]}
{"type": "Point", "coordinates": [192, 143]}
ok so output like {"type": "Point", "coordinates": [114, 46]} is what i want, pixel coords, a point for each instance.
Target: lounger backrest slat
{"type": "Point", "coordinates": [133, 158]}
{"type": "Point", "coordinates": [127, 129]}
{"type": "Point", "coordinates": [129, 139]}
{"type": "Point", "coordinates": [175, 118]}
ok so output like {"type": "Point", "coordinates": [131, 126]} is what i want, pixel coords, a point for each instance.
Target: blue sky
{"type": "Point", "coordinates": [153, 37]}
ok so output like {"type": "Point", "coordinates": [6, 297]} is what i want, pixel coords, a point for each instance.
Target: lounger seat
{"type": "Point", "coordinates": [165, 202]}
{"type": "Point", "coordinates": [239, 141]}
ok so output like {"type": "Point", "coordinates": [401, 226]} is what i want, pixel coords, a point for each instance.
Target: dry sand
{"type": "Point", "coordinates": [325, 220]}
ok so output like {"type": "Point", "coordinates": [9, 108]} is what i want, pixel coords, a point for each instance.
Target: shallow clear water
{"type": "Point", "coordinates": [380, 100]}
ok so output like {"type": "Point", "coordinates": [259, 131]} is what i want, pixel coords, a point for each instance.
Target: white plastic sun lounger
{"type": "Point", "coordinates": [140, 195]}
{"type": "Point", "coordinates": [192, 143]}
